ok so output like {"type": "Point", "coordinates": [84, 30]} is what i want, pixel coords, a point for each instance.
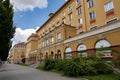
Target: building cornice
{"type": "Point", "coordinates": [100, 30]}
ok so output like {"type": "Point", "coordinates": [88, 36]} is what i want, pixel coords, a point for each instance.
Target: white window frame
{"type": "Point", "coordinates": [70, 17]}
{"type": "Point", "coordinates": [78, 2]}
{"type": "Point", "coordinates": [109, 6]}
{"type": "Point", "coordinates": [79, 11]}
{"type": "Point", "coordinates": [43, 44]}
{"type": "Point", "coordinates": [52, 40]}
{"type": "Point", "coordinates": [70, 8]}
{"type": "Point", "coordinates": [63, 14]}
{"type": "Point", "coordinates": [58, 36]}
{"type": "Point", "coordinates": [80, 21]}
{"type": "Point", "coordinates": [92, 15]}
{"type": "Point", "coordinates": [90, 3]}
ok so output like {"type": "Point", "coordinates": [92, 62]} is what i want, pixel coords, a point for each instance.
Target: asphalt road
{"type": "Point", "coordinates": [16, 72]}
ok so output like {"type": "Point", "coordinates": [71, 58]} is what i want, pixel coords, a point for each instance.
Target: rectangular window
{"type": "Point", "coordinates": [58, 36]}
{"type": "Point", "coordinates": [63, 14]}
{"type": "Point", "coordinates": [63, 20]}
{"type": "Point", "coordinates": [52, 40]}
{"type": "Point", "coordinates": [78, 2]}
{"type": "Point", "coordinates": [47, 42]}
{"type": "Point", "coordinates": [79, 11]}
{"type": "Point", "coordinates": [108, 6]}
{"type": "Point", "coordinates": [112, 21]}
{"type": "Point", "coordinates": [94, 28]}
{"type": "Point", "coordinates": [70, 8]}
{"type": "Point", "coordinates": [92, 15]}
{"type": "Point", "coordinates": [90, 3]}
{"type": "Point", "coordinates": [70, 16]}
{"type": "Point", "coordinates": [43, 44]}
{"type": "Point", "coordinates": [79, 21]}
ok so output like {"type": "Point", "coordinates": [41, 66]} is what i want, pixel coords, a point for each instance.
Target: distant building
{"type": "Point", "coordinates": [31, 49]}
{"type": "Point", "coordinates": [17, 53]}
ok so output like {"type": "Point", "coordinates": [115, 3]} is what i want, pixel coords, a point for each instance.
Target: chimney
{"type": "Point", "coordinates": [51, 14]}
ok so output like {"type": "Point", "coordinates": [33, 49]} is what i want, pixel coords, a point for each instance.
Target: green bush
{"type": "Point", "coordinates": [102, 68]}
{"type": "Point", "coordinates": [49, 64]}
{"type": "Point", "coordinates": [59, 65]}
{"type": "Point", "coordinates": [78, 66]}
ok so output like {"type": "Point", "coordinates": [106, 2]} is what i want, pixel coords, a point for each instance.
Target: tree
{"type": "Point", "coordinates": [7, 28]}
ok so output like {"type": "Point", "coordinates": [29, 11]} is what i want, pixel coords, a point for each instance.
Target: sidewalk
{"type": "Point", "coordinates": [2, 67]}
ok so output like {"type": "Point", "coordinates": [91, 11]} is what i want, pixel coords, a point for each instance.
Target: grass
{"type": "Point", "coordinates": [104, 77]}
{"type": "Point", "coordinates": [22, 64]}
{"type": "Point", "coordinates": [53, 70]}
{"type": "Point", "coordinates": [40, 68]}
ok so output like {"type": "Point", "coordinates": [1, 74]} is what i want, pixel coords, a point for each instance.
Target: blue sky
{"type": "Point", "coordinates": [29, 15]}
{"type": "Point", "coordinates": [36, 17]}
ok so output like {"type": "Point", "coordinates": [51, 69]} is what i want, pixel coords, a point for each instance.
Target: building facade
{"type": "Point", "coordinates": [81, 27]}
{"type": "Point", "coordinates": [31, 49]}
{"type": "Point", "coordinates": [17, 53]}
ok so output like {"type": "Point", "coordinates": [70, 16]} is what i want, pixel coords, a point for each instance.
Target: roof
{"type": "Point", "coordinates": [32, 35]}
{"type": "Point", "coordinates": [55, 13]}
{"type": "Point", "coordinates": [21, 44]}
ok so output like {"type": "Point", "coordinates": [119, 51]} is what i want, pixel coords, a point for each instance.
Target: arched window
{"type": "Point", "coordinates": [46, 55]}
{"type": "Point", "coordinates": [68, 53]}
{"type": "Point", "coordinates": [102, 49]}
{"type": "Point", "coordinates": [82, 50]}
{"type": "Point", "coordinates": [58, 54]}
{"type": "Point", "coordinates": [102, 44]}
{"type": "Point", "coordinates": [52, 54]}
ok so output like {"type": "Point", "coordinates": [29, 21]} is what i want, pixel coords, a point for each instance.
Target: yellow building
{"type": "Point", "coordinates": [17, 53]}
{"type": "Point", "coordinates": [81, 27]}
{"type": "Point", "coordinates": [31, 49]}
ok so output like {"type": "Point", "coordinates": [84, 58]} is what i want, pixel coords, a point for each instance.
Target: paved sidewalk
{"type": "Point", "coordinates": [16, 72]}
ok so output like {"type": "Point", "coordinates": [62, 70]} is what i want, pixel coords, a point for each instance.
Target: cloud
{"type": "Point", "coordinates": [23, 5]}
{"type": "Point", "coordinates": [22, 35]}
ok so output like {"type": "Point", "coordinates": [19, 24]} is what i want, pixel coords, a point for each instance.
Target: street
{"type": "Point", "coordinates": [16, 72]}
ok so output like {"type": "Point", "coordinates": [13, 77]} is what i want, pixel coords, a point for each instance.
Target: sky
{"type": "Point", "coordinates": [29, 15]}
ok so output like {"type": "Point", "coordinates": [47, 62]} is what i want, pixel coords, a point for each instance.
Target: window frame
{"type": "Point", "coordinates": [90, 3]}
{"type": "Point", "coordinates": [108, 6]}
{"type": "Point", "coordinates": [79, 11]}
{"type": "Point", "coordinates": [92, 15]}
{"type": "Point", "coordinates": [58, 36]}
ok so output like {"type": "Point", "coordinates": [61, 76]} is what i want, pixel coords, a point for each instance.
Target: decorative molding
{"type": "Point", "coordinates": [100, 30]}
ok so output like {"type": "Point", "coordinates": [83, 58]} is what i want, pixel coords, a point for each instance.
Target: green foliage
{"type": "Point", "coordinates": [59, 65]}
{"type": "Point", "coordinates": [49, 64]}
{"type": "Point", "coordinates": [40, 67]}
{"type": "Point", "coordinates": [102, 68]}
{"type": "Point", "coordinates": [103, 77]}
{"type": "Point", "coordinates": [7, 28]}
{"type": "Point", "coordinates": [22, 64]}
{"type": "Point", "coordinates": [78, 66]}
